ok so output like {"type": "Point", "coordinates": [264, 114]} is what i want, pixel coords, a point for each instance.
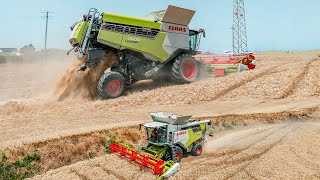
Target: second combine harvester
{"type": "Point", "coordinates": [161, 45]}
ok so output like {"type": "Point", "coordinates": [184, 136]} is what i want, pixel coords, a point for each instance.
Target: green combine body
{"type": "Point", "coordinates": [156, 47]}
{"type": "Point", "coordinates": [78, 33]}
{"type": "Point", "coordinates": [137, 34]}
{"type": "Point", "coordinates": [171, 136]}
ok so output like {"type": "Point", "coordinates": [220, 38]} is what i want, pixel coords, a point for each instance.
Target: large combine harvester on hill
{"type": "Point", "coordinates": [158, 46]}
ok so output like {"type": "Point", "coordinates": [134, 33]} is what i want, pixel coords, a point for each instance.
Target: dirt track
{"type": "Point", "coordinates": [282, 83]}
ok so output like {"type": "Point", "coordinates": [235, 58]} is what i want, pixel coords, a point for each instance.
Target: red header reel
{"type": "Point", "coordinates": [156, 165]}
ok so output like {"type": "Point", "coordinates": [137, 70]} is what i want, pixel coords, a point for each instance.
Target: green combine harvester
{"type": "Point", "coordinates": [169, 137]}
{"type": "Point", "coordinates": [158, 46]}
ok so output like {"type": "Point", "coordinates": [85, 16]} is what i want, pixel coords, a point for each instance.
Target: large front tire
{"type": "Point", "coordinates": [111, 85]}
{"type": "Point", "coordinates": [185, 68]}
{"type": "Point", "coordinates": [176, 154]}
{"type": "Point", "coordinates": [179, 154]}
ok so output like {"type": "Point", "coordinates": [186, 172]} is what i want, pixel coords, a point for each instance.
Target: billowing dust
{"type": "Point", "coordinates": [76, 83]}
{"type": "Point", "coordinates": [33, 78]}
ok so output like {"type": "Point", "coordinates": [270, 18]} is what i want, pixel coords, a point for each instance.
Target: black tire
{"type": "Point", "coordinates": [167, 156]}
{"type": "Point", "coordinates": [196, 150]}
{"type": "Point", "coordinates": [176, 154]}
{"type": "Point", "coordinates": [111, 85]}
{"type": "Point", "coordinates": [185, 69]}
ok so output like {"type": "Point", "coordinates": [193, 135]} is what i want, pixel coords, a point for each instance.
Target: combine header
{"type": "Point", "coordinates": [155, 165]}
{"type": "Point", "coordinates": [169, 137]}
{"type": "Point", "coordinates": [220, 65]}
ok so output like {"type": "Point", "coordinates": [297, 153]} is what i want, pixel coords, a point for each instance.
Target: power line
{"type": "Point", "coordinates": [46, 31]}
{"type": "Point", "coordinates": [239, 29]}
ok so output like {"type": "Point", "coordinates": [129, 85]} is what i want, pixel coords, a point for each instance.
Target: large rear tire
{"type": "Point", "coordinates": [196, 150]}
{"type": "Point", "coordinates": [111, 85]}
{"type": "Point", "coordinates": [185, 69]}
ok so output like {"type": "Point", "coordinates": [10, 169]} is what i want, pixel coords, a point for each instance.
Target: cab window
{"type": "Point", "coordinates": [157, 135]}
{"type": "Point", "coordinates": [193, 40]}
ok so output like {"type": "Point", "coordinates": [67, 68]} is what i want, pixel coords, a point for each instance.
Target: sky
{"type": "Point", "coordinates": [271, 24]}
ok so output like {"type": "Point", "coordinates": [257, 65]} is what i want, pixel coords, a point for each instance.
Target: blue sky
{"type": "Point", "coordinates": [271, 24]}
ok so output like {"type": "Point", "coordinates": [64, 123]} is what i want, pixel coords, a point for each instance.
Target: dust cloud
{"type": "Point", "coordinates": [79, 84]}
{"type": "Point", "coordinates": [31, 77]}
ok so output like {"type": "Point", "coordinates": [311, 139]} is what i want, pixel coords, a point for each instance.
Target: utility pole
{"type": "Point", "coordinates": [239, 29]}
{"type": "Point", "coordinates": [46, 32]}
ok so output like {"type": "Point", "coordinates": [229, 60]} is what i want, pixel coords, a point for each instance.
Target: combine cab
{"type": "Point", "coordinates": [159, 46]}
{"type": "Point", "coordinates": [169, 137]}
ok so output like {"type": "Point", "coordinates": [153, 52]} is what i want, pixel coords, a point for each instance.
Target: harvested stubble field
{"type": "Point", "coordinates": [284, 87]}
{"type": "Point", "coordinates": [278, 151]}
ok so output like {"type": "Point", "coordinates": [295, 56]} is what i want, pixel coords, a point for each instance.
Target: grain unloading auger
{"type": "Point", "coordinates": [169, 137]}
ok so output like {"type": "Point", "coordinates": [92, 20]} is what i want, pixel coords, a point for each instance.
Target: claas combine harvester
{"type": "Point", "coordinates": [169, 137]}
{"type": "Point", "coordinates": [158, 46]}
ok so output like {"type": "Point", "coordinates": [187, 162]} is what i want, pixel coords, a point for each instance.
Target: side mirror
{"type": "Point", "coordinates": [73, 25]}
{"type": "Point", "coordinates": [140, 127]}
{"type": "Point", "coordinates": [203, 33]}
